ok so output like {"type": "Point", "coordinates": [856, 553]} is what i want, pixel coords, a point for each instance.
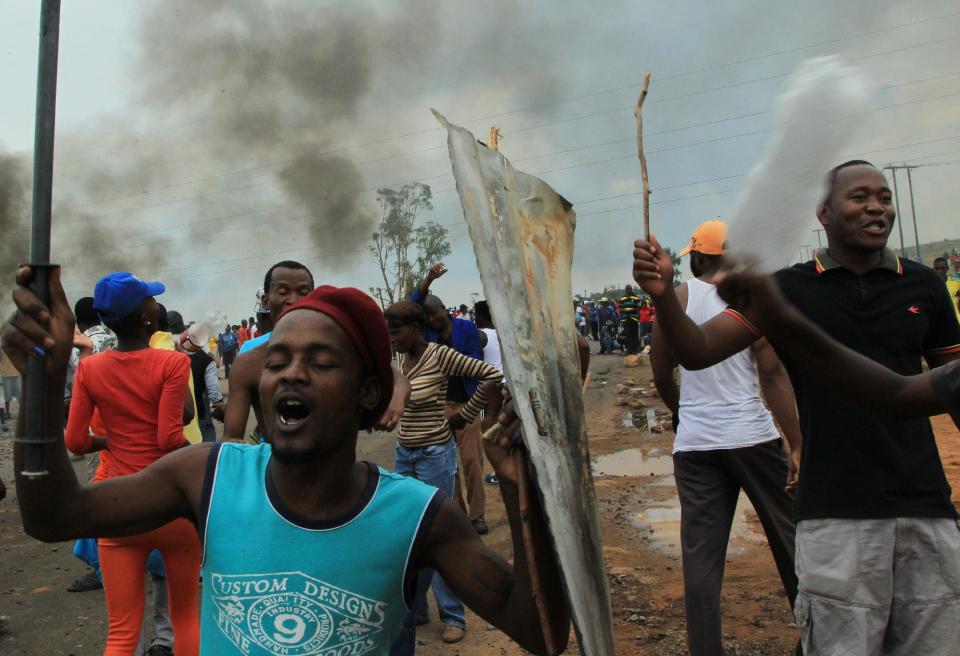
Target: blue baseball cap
{"type": "Point", "coordinates": [118, 294]}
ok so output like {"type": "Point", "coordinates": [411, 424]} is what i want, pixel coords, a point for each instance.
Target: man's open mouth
{"type": "Point", "coordinates": [875, 227]}
{"type": "Point", "coordinates": [291, 411]}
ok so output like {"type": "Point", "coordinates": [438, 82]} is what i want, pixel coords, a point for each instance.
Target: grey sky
{"type": "Point", "coordinates": [559, 79]}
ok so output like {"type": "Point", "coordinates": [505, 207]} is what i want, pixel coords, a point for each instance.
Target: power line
{"type": "Point", "coordinates": [538, 126]}
{"type": "Point", "coordinates": [768, 55]}
{"type": "Point", "coordinates": [578, 203]}
{"type": "Point", "coordinates": [289, 252]}
{"type": "Point", "coordinates": [519, 160]}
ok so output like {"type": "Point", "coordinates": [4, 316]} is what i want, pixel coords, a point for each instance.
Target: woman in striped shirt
{"type": "Point", "coordinates": [426, 449]}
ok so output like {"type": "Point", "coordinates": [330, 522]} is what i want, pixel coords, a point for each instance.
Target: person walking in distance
{"type": "Point", "coordinates": [227, 343]}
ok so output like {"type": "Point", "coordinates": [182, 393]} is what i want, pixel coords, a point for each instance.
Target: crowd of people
{"type": "Point", "coordinates": [805, 389]}
{"type": "Point", "coordinates": [624, 324]}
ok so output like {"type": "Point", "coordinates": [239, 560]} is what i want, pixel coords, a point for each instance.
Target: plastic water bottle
{"type": "Point", "coordinates": [197, 335]}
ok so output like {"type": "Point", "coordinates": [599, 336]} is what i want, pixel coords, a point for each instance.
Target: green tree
{"type": "Point", "coordinates": [677, 263]}
{"type": "Point", "coordinates": [403, 250]}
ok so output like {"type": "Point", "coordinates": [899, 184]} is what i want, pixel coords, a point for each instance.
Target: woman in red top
{"type": "Point", "coordinates": [139, 394]}
{"type": "Point", "coordinates": [645, 315]}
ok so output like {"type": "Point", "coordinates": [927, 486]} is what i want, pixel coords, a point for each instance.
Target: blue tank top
{"type": "Point", "coordinates": [251, 344]}
{"type": "Point", "coordinates": [276, 583]}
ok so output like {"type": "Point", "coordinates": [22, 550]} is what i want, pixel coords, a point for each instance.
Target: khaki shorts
{"type": "Point", "coordinates": [879, 586]}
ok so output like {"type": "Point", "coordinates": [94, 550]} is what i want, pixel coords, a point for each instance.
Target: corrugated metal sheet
{"type": "Point", "coordinates": [522, 233]}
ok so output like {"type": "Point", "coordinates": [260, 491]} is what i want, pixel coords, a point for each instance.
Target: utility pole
{"type": "Point", "coordinates": [819, 241]}
{"type": "Point", "coordinates": [494, 137]}
{"type": "Point", "coordinates": [896, 200]}
{"type": "Point", "coordinates": [913, 209]}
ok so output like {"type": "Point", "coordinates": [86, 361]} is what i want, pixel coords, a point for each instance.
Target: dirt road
{"type": "Point", "coordinates": [640, 519]}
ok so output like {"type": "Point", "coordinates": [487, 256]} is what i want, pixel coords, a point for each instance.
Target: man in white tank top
{"type": "Point", "coordinates": [726, 441]}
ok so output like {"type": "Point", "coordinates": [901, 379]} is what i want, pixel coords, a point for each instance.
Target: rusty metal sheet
{"type": "Point", "coordinates": [522, 234]}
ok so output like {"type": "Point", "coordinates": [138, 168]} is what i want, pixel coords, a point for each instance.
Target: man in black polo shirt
{"type": "Point", "coordinates": [877, 538]}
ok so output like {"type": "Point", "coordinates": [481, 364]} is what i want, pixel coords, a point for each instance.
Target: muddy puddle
{"type": "Point", "coordinates": [634, 462]}
{"type": "Point", "coordinates": [646, 420]}
{"type": "Point", "coordinates": [660, 523]}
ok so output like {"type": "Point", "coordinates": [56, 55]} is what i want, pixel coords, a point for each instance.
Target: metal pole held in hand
{"type": "Point", "coordinates": [37, 432]}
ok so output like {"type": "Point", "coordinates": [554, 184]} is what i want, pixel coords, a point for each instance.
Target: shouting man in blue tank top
{"type": "Point", "coordinates": [306, 550]}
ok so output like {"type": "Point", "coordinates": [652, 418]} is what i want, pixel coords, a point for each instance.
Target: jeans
{"type": "Point", "coordinates": [208, 432]}
{"type": "Point", "coordinates": [436, 466]}
{"type": "Point", "coordinates": [11, 390]}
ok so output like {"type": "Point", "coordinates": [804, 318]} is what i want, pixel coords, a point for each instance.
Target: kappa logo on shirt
{"type": "Point", "coordinates": [914, 309]}
{"type": "Point", "coordinates": [293, 614]}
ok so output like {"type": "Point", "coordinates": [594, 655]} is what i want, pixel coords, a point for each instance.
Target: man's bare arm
{"type": "Point", "coordinates": [663, 365]}
{"type": "Point", "coordinates": [435, 272]}
{"type": "Point", "coordinates": [583, 350]}
{"type": "Point", "coordinates": [57, 507]}
{"type": "Point", "coordinates": [778, 393]}
{"type": "Point", "coordinates": [693, 346]}
{"type": "Point", "coordinates": [189, 407]}
{"type": "Point", "coordinates": [244, 377]}
{"type": "Point", "coordinates": [398, 403]}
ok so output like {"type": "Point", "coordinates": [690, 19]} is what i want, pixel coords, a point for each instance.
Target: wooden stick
{"type": "Point", "coordinates": [643, 158]}
{"type": "Point", "coordinates": [525, 489]}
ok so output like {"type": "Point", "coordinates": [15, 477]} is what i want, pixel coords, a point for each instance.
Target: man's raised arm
{"type": "Point", "coordinates": [693, 346]}
{"type": "Point", "coordinates": [423, 288]}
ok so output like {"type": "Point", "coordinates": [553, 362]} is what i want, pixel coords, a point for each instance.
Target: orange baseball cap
{"type": "Point", "coordinates": [710, 238]}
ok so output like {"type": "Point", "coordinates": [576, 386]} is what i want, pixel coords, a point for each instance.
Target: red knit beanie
{"type": "Point", "coordinates": [362, 319]}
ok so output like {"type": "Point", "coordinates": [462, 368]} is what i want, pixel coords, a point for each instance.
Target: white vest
{"type": "Point", "coordinates": [720, 407]}
{"type": "Point", "coordinates": [491, 352]}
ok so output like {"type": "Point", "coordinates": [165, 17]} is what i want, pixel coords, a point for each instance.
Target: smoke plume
{"type": "Point", "coordinates": [279, 89]}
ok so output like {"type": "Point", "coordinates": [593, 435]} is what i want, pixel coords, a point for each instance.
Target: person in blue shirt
{"type": "Point", "coordinates": [227, 346]}
{"type": "Point", "coordinates": [330, 545]}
